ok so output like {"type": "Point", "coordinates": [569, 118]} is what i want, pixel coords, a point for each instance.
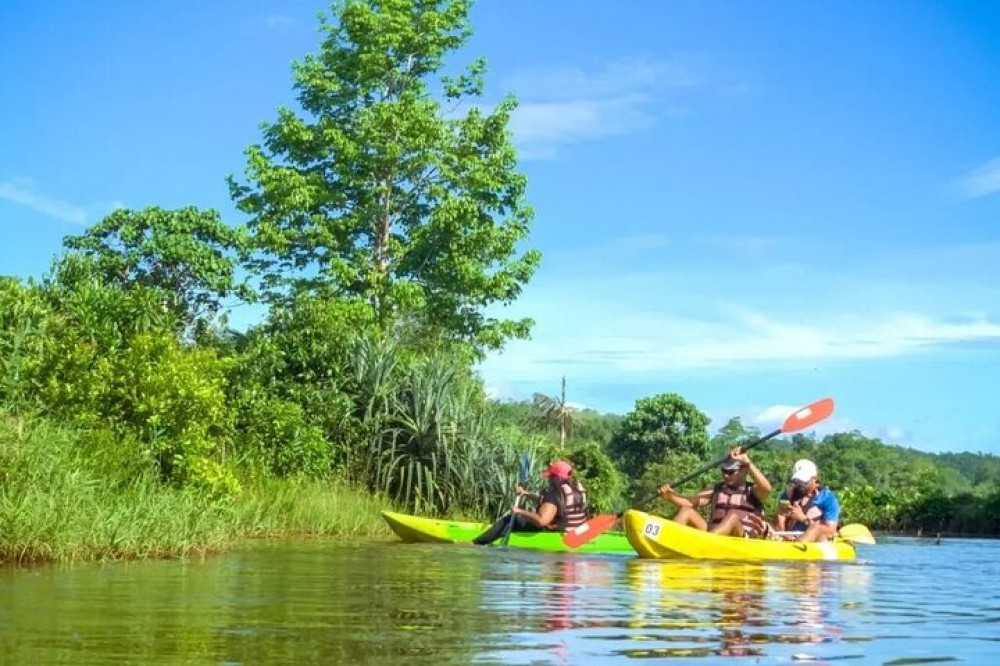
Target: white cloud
{"type": "Point", "coordinates": [613, 79]}
{"type": "Point", "coordinates": [19, 192]}
{"type": "Point", "coordinates": [982, 181]}
{"type": "Point", "coordinates": [539, 128]}
{"type": "Point", "coordinates": [745, 243]}
{"type": "Point", "coordinates": [566, 105]}
{"type": "Point", "coordinates": [773, 415]}
{"type": "Point", "coordinates": [895, 433]}
{"type": "Point", "coordinates": [278, 21]}
{"type": "Point", "coordinates": [639, 243]}
{"type": "Point", "coordinates": [607, 342]}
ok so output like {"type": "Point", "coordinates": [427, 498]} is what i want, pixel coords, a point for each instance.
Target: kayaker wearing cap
{"type": "Point", "coordinates": [737, 506]}
{"type": "Point", "coordinates": [562, 504]}
{"type": "Point", "coordinates": [807, 505]}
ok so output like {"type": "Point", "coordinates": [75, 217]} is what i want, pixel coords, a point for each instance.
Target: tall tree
{"type": "Point", "coordinates": [188, 254]}
{"type": "Point", "coordinates": [657, 428]}
{"type": "Point", "coordinates": [378, 192]}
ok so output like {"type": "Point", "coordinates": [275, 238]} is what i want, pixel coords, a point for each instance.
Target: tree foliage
{"type": "Point", "coordinates": [659, 425]}
{"type": "Point", "coordinates": [380, 191]}
{"type": "Point", "coordinates": [189, 255]}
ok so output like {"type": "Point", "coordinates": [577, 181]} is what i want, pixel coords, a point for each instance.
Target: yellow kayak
{"type": "Point", "coordinates": [661, 538]}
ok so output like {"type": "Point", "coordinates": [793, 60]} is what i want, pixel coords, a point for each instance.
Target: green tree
{"type": "Point", "coordinates": [663, 424]}
{"type": "Point", "coordinates": [378, 192]}
{"type": "Point", "coordinates": [733, 433]}
{"type": "Point", "coordinates": [188, 254]}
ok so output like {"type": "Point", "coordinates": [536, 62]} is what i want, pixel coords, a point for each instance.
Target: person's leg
{"type": "Point", "coordinates": [691, 518]}
{"type": "Point", "coordinates": [814, 532]}
{"type": "Point", "coordinates": [493, 532]}
{"type": "Point", "coordinates": [497, 529]}
{"type": "Point", "coordinates": [731, 524]}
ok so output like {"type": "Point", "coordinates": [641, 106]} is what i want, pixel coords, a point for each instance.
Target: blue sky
{"type": "Point", "coordinates": [752, 204]}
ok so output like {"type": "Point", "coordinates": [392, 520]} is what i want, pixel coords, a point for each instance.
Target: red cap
{"type": "Point", "coordinates": [560, 469]}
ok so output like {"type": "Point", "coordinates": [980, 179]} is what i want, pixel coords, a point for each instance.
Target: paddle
{"type": "Point", "coordinates": [524, 472]}
{"type": "Point", "coordinates": [856, 533]}
{"type": "Point", "coordinates": [799, 420]}
{"type": "Point", "coordinates": [852, 533]}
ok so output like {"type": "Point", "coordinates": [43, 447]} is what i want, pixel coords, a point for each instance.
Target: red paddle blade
{"type": "Point", "coordinates": [577, 536]}
{"type": "Point", "coordinates": [808, 416]}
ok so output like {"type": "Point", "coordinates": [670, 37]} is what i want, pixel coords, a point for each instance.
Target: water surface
{"type": "Point", "coordinates": [904, 601]}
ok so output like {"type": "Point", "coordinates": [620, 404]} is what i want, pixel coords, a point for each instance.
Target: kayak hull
{"type": "Point", "coordinates": [415, 529]}
{"type": "Point", "coordinates": [655, 537]}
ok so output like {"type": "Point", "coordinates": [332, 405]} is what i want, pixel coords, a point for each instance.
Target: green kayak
{"type": "Point", "coordinates": [413, 529]}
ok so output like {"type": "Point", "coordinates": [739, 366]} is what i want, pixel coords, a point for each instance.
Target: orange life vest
{"type": "Point", "coordinates": [741, 500]}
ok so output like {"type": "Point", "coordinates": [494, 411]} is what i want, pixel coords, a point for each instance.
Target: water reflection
{"type": "Point", "coordinates": [373, 603]}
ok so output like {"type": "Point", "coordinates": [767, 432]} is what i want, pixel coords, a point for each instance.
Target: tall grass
{"type": "Point", "coordinates": [271, 507]}
{"type": "Point", "coordinates": [71, 495]}
{"type": "Point", "coordinates": [64, 497]}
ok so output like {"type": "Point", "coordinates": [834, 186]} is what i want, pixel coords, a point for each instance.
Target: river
{"type": "Point", "coordinates": [383, 602]}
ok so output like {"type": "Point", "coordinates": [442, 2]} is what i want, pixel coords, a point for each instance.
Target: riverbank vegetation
{"type": "Point", "coordinates": [383, 233]}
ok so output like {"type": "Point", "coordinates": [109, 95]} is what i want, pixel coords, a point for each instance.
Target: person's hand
{"type": "Point", "coordinates": [666, 491]}
{"type": "Point", "coordinates": [739, 455]}
{"type": "Point", "coordinates": [521, 492]}
{"type": "Point", "coordinates": [796, 512]}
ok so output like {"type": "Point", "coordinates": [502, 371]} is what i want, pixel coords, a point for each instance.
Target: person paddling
{"type": "Point", "coordinates": [736, 505]}
{"type": "Point", "coordinates": [561, 505]}
{"type": "Point", "coordinates": [808, 506]}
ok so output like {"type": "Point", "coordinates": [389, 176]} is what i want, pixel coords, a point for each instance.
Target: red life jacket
{"type": "Point", "coordinates": [741, 500]}
{"type": "Point", "coordinates": [573, 508]}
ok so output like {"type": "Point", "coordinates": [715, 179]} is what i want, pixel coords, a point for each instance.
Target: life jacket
{"type": "Point", "coordinates": [809, 508]}
{"type": "Point", "coordinates": [741, 500]}
{"type": "Point", "coordinates": [572, 507]}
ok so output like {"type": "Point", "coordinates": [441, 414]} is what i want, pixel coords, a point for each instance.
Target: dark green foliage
{"type": "Point", "coordinates": [658, 426]}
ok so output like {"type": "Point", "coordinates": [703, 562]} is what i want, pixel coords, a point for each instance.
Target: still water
{"type": "Point", "coordinates": [382, 602]}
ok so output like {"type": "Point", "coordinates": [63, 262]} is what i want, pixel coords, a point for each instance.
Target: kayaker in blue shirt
{"type": "Point", "coordinates": [808, 506]}
{"type": "Point", "coordinates": [561, 504]}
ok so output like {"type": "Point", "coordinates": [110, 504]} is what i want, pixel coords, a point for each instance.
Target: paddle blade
{"type": "Point", "coordinates": [808, 416]}
{"type": "Point", "coordinates": [856, 533]}
{"type": "Point", "coordinates": [577, 536]}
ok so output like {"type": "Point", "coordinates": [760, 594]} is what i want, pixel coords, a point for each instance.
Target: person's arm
{"type": "Point", "coordinates": [534, 497]}
{"type": "Point", "coordinates": [831, 515]}
{"type": "Point", "coordinates": [784, 508]}
{"type": "Point", "coordinates": [543, 517]}
{"type": "Point", "coordinates": [694, 501]}
{"type": "Point", "coordinates": [761, 486]}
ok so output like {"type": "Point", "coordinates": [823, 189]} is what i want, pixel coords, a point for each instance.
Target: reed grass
{"type": "Point", "coordinates": [70, 495]}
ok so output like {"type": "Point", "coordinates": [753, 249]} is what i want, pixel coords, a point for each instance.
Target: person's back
{"type": "Point", "coordinates": [570, 498]}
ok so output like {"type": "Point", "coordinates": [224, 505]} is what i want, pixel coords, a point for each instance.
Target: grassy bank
{"type": "Point", "coordinates": [71, 495]}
